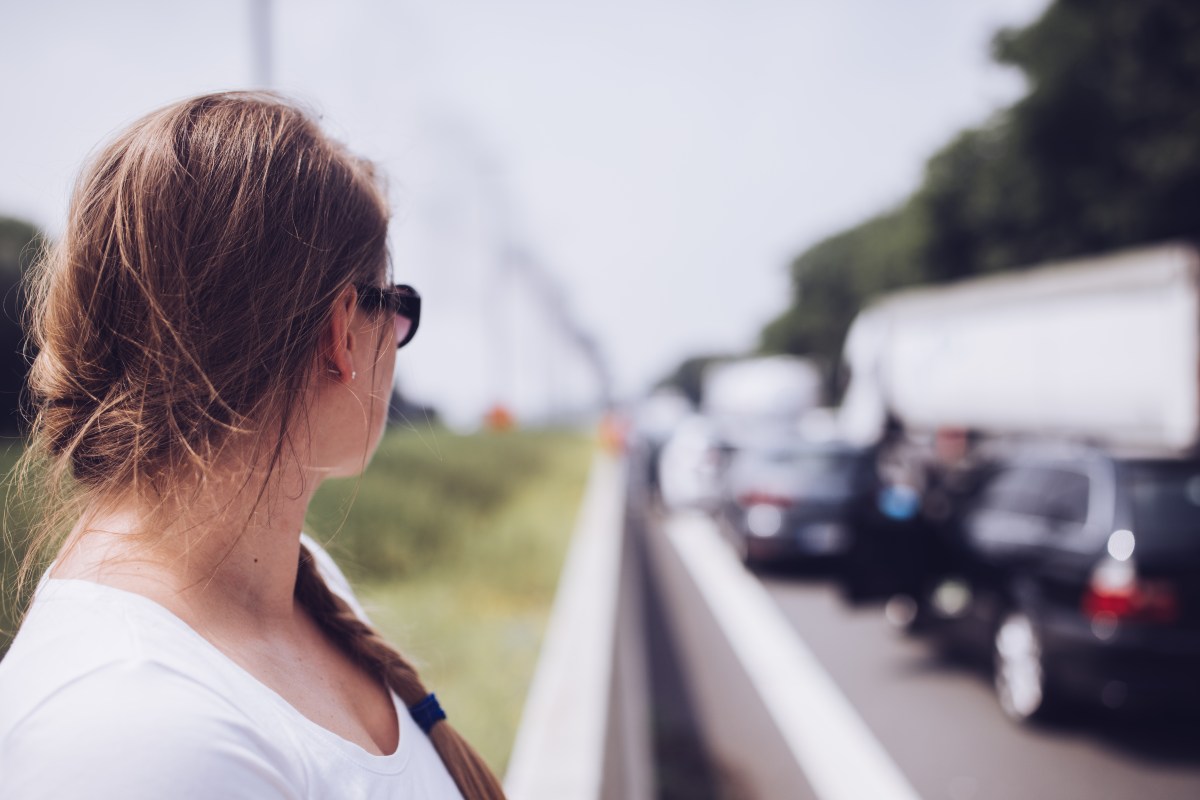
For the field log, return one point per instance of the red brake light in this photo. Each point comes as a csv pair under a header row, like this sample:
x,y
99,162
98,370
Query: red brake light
x,y
748,499
1117,592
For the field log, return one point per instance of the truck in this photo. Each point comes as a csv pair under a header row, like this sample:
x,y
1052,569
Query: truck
x,y
1105,349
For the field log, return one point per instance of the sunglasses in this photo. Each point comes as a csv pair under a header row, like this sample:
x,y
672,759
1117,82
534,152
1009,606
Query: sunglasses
x,y
401,301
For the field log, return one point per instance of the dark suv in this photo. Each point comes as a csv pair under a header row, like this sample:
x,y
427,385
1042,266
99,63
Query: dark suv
x,y
1080,570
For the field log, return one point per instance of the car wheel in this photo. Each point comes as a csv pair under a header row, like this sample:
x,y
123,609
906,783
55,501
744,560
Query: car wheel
x,y
907,614
1020,669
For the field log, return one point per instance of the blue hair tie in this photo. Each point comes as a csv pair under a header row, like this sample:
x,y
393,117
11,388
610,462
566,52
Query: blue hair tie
x,y
427,713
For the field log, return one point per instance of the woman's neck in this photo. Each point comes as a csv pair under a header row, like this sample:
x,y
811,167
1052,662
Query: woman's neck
x,y
225,553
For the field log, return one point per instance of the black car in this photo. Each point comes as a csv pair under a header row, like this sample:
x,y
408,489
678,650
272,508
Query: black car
x,y
793,499
1080,571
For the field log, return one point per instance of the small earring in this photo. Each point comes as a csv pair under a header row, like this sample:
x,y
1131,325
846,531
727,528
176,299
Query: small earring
x,y
353,375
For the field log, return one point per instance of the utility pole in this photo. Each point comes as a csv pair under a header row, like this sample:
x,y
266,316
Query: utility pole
x,y
260,43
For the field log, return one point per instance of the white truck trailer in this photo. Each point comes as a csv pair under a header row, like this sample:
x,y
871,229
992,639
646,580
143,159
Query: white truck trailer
x,y
1104,348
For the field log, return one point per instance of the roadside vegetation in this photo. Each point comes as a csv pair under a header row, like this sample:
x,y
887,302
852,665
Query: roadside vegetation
x,y
15,525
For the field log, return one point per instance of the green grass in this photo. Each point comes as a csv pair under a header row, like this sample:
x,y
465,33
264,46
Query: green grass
x,y
455,544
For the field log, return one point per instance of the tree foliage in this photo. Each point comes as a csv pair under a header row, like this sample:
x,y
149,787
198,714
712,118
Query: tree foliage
x,y
20,244
688,376
884,252
1103,152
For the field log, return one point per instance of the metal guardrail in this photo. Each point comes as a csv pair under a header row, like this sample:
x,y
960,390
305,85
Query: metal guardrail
x,y
570,745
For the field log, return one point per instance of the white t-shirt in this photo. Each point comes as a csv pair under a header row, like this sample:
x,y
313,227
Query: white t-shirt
x,y
106,694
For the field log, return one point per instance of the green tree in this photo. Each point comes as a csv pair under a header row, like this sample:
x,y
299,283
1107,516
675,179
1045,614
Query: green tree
x,y
20,244
688,376
834,278
1103,152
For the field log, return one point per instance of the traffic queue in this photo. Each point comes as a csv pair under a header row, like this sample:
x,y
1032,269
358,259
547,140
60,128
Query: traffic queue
x,y
1013,472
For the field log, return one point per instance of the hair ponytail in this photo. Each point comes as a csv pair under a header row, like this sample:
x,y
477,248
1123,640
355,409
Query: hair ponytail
x,y
471,774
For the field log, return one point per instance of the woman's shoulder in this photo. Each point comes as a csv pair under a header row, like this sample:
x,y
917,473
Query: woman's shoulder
x,y
103,673
86,638
75,628
79,633
98,689
136,729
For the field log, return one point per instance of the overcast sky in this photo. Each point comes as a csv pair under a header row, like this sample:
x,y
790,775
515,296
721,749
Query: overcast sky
x,y
662,160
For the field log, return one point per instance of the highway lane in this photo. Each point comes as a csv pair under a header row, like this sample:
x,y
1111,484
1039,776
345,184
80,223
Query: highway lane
x,y
935,717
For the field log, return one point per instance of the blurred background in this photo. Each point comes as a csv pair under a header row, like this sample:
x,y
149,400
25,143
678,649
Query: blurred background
x,y
585,193
899,303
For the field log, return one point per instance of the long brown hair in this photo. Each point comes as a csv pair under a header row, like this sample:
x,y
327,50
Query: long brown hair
x,y
182,310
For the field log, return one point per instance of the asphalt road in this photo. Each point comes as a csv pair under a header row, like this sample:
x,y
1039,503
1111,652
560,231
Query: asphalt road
x,y
937,718
934,716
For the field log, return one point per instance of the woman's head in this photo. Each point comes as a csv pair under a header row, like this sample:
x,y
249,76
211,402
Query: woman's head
x,y
185,305
218,287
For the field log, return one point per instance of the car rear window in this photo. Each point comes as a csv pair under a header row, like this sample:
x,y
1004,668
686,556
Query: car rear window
x,y
1166,498
1060,495
831,471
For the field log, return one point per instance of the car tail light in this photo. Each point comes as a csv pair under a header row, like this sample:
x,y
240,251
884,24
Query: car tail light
x,y
748,499
1117,593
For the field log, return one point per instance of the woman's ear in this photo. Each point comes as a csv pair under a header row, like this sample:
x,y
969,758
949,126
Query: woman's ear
x,y
340,345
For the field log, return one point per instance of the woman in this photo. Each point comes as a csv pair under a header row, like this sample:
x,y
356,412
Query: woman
x,y
214,338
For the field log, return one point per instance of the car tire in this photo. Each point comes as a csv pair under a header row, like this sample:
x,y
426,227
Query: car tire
x,y
1022,682
908,615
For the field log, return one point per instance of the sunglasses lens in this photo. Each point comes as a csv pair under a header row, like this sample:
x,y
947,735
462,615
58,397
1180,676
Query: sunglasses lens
x,y
403,328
